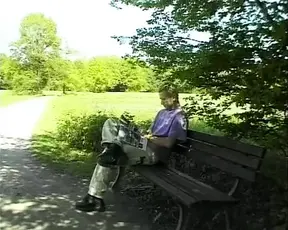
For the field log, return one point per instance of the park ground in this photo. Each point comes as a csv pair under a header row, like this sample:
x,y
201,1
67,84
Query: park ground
x,y
60,156
33,196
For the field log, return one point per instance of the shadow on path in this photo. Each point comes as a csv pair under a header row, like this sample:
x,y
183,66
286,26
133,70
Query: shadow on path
x,y
32,196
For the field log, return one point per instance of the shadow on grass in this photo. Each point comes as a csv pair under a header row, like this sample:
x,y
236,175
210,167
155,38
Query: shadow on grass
x,y
59,155
275,166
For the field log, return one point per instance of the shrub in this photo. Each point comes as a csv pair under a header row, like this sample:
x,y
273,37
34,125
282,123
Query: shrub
x,y
83,132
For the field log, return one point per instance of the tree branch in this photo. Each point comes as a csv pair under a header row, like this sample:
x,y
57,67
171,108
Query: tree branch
x,y
268,17
265,12
189,39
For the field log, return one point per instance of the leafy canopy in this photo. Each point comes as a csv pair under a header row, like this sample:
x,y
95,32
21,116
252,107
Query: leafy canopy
x,y
38,44
244,62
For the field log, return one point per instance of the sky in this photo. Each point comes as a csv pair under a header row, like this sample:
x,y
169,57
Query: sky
x,y
85,26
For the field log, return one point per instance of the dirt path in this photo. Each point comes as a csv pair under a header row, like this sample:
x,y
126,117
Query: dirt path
x,y
34,197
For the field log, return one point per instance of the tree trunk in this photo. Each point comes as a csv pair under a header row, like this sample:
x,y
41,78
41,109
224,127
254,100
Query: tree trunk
x,y
64,88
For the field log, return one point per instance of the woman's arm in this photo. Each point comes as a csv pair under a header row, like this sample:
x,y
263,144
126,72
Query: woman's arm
x,y
167,142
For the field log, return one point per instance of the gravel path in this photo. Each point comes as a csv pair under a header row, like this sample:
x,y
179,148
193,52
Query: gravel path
x,y
34,197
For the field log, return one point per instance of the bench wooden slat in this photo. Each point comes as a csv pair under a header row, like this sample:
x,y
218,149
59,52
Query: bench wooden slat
x,y
186,186
231,156
227,154
150,172
200,191
223,165
227,143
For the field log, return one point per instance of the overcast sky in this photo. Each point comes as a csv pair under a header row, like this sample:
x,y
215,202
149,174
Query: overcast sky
x,y
84,25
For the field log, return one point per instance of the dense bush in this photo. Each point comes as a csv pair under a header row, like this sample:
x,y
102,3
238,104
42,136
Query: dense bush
x,y
25,83
83,132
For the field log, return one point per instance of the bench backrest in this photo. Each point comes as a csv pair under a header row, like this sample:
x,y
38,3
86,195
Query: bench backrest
x,y
240,159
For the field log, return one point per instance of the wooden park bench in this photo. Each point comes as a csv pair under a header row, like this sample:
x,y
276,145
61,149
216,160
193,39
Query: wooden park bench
x,y
233,157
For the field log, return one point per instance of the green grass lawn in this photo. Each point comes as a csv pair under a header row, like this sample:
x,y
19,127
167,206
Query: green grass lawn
x,y
7,97
51,150
143,105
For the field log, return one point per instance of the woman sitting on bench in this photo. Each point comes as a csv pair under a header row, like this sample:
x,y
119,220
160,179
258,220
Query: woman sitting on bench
x,y
123,146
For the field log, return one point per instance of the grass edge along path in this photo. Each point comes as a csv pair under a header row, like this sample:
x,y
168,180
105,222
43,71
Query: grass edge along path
x,y
51,150
48,148
7,98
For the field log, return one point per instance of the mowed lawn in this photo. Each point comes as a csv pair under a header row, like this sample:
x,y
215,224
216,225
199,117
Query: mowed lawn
x,y
53,151
143,105
57,153
7,97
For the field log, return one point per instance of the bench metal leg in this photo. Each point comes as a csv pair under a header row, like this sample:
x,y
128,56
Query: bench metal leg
x,y
227,220
227,217
184,221
120,173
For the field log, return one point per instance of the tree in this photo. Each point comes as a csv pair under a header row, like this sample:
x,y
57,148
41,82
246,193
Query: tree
x,y
133,77
2,74
60,69
8,69
114,74
244,62
38,44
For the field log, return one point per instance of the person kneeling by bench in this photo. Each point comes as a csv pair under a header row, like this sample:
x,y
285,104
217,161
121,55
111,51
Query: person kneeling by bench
x,y
121,146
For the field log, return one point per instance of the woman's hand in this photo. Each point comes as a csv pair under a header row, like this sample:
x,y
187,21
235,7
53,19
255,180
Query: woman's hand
x,y
148,136
144,132
167,142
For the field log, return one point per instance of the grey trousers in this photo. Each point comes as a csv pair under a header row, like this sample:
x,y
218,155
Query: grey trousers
x,y
114,131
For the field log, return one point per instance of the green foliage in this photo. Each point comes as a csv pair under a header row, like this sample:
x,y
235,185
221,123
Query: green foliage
x,y
100,74
59,78
114,74
25,83
96,75
82,132
8,69
244,62
38,62
38,44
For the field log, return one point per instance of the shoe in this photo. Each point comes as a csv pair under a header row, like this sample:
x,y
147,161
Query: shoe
x,y
112,155
90,203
